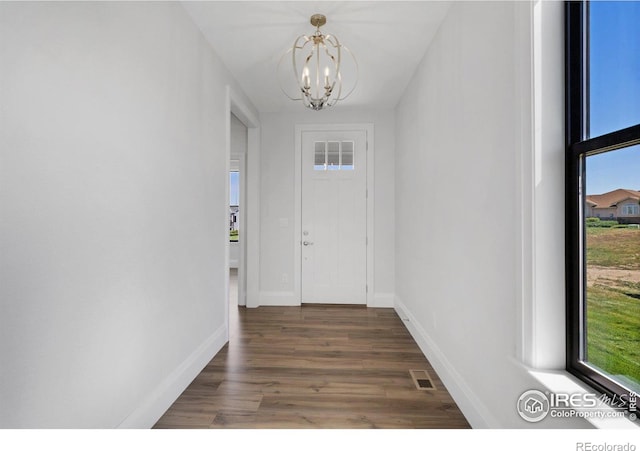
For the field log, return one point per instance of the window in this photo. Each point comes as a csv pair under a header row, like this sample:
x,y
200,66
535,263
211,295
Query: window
x,y
602,171
333,156
346,161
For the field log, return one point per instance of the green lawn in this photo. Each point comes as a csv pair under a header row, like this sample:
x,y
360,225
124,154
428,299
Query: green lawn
x,y
613,301
615,248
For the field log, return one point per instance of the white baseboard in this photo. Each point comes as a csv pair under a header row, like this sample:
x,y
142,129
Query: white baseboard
x,y
160,399
278,298
473,409
288,298
382,300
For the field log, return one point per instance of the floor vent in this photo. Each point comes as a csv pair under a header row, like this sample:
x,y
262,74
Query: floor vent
x,y
422,380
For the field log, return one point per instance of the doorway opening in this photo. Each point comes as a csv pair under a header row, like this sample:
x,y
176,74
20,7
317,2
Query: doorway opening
x,y
242,208
237,223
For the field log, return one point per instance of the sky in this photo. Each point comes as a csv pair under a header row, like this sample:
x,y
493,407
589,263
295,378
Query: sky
x,y
614,53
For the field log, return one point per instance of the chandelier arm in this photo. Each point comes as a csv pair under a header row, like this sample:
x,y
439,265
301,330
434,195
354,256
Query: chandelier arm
x,y
280,78
357,72
336,66
293,53
336,45
337,98
335,42
306,61
317,48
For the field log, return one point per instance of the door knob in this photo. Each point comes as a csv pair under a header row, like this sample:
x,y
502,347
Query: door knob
x,y
307,243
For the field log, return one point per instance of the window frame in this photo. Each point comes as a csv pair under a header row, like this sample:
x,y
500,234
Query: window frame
x,y
578,147
326,167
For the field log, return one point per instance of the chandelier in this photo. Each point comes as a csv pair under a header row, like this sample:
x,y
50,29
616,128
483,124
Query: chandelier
x,y
317,62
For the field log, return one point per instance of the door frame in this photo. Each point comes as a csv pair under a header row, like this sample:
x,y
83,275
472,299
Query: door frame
x,y
297,214
248,279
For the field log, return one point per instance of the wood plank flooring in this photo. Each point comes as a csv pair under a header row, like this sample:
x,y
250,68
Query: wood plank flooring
x,y
314,367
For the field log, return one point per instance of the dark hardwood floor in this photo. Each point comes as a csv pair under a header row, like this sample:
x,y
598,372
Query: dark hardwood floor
x,y
314,367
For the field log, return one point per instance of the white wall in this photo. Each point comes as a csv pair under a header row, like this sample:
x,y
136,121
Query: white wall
x,y
234,254
277,239
112,195
460,129
238,139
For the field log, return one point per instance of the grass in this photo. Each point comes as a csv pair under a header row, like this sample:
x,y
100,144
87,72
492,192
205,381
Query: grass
x,y
613,329
613,248
613,303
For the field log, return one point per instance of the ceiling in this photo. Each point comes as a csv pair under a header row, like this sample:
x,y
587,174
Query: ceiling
x,y
388,39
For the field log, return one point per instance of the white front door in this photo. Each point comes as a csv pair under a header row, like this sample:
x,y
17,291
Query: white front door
x,y
334,217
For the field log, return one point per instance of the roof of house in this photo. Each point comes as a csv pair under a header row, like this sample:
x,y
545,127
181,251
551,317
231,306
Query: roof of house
x,y
612,198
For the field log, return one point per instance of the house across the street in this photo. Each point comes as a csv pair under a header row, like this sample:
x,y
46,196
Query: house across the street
x,y
622,205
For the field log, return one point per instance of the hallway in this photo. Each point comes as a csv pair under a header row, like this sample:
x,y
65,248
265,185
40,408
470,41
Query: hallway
x,y
117,144
315,366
